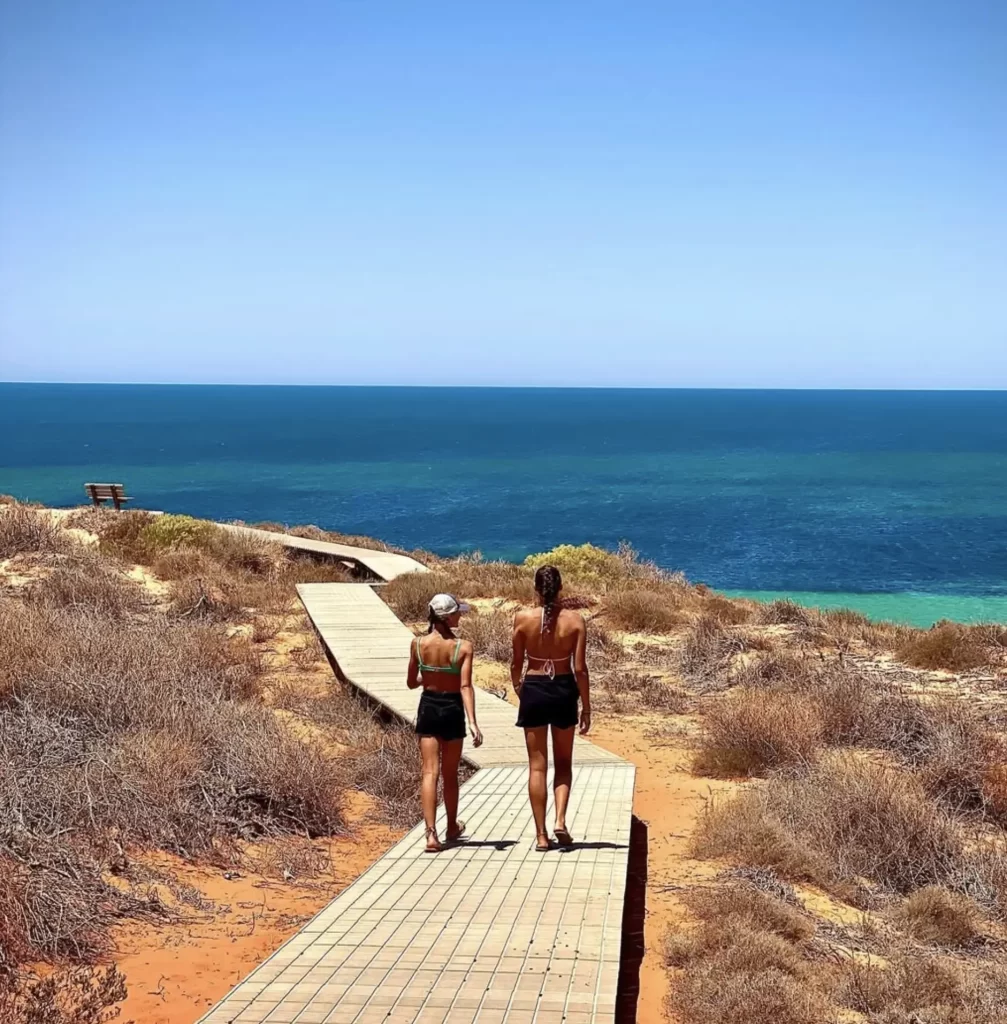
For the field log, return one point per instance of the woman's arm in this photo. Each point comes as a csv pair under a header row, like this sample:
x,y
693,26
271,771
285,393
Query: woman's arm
x,y
583,678
469,694
413,672
517,656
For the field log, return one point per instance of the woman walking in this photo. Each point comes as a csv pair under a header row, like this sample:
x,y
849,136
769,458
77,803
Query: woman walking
x,y
442,665
554,641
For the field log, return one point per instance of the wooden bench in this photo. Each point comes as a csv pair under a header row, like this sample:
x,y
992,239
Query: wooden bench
x,y
100,493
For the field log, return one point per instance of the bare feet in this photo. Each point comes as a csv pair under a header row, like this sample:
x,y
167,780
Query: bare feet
x,y
433,843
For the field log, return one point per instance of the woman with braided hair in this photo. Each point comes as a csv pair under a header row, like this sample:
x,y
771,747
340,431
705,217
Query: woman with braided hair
x,y
553,639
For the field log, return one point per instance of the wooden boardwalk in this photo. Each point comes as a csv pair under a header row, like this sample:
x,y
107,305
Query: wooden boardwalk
x,y
385,565
488,931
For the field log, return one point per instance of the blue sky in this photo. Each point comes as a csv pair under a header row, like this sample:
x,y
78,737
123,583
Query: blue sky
x,y
721,194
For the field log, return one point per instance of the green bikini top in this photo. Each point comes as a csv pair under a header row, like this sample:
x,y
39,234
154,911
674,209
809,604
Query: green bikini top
x,y
454,668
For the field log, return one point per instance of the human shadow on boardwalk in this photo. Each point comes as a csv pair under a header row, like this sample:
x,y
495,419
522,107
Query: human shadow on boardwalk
x,y
590,846
468,844
633,916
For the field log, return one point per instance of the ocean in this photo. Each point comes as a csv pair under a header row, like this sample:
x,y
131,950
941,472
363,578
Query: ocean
x,y
894,502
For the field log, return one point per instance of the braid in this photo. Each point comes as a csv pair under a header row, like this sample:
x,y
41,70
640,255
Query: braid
x,y
547,585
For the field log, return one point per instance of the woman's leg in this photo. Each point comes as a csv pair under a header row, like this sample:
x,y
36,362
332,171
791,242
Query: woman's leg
x,y
562,762
451,755
537,741
431,757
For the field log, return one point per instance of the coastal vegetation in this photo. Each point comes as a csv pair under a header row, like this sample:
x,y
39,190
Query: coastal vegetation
x,y
161,690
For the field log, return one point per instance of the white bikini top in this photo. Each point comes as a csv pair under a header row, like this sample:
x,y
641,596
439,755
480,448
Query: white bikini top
x,y
548,664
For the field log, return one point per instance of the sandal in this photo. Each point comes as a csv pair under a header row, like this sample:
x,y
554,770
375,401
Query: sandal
x,y
563,837
539,846
433,843
459,833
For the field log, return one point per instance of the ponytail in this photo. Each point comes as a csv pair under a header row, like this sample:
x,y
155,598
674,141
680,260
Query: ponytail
x,y
548,583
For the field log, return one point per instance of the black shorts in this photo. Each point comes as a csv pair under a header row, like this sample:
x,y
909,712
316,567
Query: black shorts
x,y
546,701
441,715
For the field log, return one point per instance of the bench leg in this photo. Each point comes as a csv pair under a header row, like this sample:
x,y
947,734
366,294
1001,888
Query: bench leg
x,y
117,503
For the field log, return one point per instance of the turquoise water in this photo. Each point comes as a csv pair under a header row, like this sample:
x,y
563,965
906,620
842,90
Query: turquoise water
x,y
912,609
894,501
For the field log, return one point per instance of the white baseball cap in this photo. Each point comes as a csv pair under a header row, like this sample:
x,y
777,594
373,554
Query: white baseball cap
x,y
443,605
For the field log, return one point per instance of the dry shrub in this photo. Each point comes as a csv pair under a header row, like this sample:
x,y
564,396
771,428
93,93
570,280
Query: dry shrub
x,y
715,991
390,772
599,570
409,595
382,759
748,732
266,627
644,610
88,583
121,732
311,654
783,671
915,989
78,995
939,917
707,649
490,633
784,612
847,819
744,963
24,529
725,610
625,690
948,646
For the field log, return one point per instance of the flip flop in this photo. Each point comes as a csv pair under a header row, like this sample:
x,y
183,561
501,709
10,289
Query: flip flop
x,y
563,837
539,848
460,834
433,849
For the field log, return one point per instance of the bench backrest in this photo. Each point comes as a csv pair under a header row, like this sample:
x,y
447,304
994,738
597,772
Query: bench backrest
x,y
104,490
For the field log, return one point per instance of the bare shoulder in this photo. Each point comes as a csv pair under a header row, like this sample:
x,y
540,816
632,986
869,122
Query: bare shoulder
x,y
573,619
467,647
525,615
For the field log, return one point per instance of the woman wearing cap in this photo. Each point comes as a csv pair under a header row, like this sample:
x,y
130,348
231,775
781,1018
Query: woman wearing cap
x,y
442,665
554,641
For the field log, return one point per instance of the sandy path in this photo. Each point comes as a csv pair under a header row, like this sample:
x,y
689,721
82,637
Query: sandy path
x,y
667,802
174,974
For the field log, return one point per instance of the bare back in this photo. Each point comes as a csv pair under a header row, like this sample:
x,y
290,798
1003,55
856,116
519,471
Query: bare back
x,y
562,645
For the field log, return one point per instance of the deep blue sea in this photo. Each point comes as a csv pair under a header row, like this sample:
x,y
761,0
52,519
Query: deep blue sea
x,y
891,501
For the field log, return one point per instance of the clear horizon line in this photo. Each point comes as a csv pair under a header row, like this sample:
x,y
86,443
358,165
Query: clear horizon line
x,y
500,387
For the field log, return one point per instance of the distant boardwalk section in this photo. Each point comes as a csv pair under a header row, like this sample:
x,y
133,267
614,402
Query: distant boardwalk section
x,y
385,565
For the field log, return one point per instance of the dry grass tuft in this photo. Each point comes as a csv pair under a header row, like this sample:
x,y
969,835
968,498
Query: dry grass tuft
x,y
950,646
708,648
914,989
88,583
77,995
748,732
624,690
24,529
744,963
644,610
784,612
725,610
939,917
490,633
848,819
